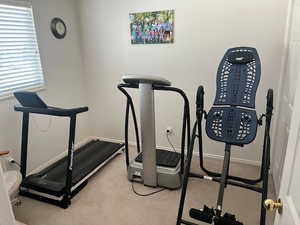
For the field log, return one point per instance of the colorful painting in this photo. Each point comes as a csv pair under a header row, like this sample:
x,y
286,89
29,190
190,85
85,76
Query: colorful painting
x,y
152,27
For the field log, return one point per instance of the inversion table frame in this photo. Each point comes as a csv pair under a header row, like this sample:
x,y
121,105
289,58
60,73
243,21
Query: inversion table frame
x,y
238,73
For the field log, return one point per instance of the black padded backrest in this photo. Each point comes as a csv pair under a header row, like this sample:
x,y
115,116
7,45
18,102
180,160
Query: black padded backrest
x,y
30,99
237,82
231,125
238,77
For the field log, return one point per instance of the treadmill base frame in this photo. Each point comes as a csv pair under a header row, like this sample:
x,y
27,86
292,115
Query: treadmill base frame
x,y
60,201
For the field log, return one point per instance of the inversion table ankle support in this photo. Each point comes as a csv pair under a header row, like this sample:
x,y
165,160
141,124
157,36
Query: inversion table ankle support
x,y
233,121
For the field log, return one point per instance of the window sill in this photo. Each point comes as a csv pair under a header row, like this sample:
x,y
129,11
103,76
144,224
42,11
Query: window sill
x,y
11,95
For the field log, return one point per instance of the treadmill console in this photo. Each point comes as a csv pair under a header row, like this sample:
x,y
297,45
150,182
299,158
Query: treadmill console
x,y
30,99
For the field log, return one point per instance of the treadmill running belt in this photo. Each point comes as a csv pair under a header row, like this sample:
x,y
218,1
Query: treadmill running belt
x,y
163,158
52,179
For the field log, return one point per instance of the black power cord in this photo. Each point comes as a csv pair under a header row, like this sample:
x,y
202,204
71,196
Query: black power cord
x,y
160,190
147,194
170,143
12,161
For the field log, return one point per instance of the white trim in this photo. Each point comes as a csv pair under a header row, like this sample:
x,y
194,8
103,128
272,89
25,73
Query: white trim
x,y
206,155
63,154
293,210
133,144
278,96
291,151
115,140
234,160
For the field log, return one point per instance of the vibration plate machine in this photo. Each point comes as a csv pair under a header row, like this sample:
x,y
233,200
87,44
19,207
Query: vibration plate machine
x,y
60,181
233,121
153,167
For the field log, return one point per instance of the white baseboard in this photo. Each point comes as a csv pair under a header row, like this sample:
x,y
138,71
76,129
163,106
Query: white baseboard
x,y
133,144
115,141
206,155
234,160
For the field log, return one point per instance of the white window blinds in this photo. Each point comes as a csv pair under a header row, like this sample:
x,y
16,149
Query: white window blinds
x,y
20,65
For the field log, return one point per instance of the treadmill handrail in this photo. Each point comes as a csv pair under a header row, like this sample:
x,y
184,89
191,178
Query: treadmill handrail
x,y
52,111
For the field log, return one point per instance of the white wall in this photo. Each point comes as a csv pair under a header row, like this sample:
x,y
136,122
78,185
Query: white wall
x,y
62,65
204,30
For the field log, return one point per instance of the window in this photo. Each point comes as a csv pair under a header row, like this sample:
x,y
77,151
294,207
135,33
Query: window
x,y
20,64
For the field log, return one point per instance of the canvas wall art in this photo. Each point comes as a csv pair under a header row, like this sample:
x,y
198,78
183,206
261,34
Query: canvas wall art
x,y
152,27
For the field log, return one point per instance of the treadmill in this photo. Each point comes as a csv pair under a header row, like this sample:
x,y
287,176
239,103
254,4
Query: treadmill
x,y
62,180
153,167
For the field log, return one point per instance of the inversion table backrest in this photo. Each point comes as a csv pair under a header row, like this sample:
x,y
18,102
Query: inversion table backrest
x,y
232,119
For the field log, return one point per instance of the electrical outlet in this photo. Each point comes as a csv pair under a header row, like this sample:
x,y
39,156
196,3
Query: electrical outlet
x,y
169,131
10,160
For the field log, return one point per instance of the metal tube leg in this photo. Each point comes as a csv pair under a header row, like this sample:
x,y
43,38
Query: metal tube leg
x,y
266,165
223,180
183,143
68,192
129,101
186,176
126,134
264,197
24,146
267,153
148,134
137,137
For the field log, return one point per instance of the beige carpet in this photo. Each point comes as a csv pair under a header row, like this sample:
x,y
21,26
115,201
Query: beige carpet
x,y
108,199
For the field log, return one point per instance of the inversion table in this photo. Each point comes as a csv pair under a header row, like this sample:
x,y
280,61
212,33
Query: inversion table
x,y
233,121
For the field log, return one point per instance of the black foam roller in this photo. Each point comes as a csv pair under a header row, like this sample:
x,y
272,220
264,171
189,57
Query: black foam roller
x,y
201,215
226,221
